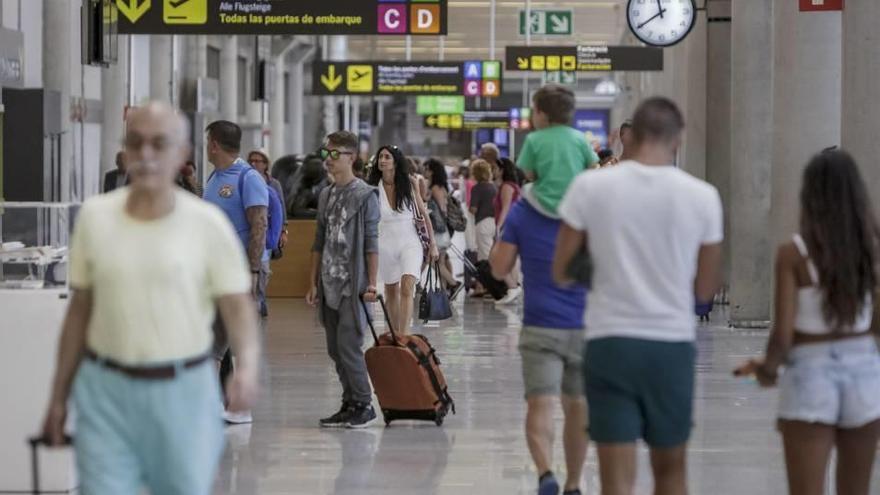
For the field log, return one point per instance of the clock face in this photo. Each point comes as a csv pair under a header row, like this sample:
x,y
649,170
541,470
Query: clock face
x,y
661,22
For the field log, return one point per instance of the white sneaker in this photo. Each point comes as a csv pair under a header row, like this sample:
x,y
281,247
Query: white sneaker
x,y
511,297
238,418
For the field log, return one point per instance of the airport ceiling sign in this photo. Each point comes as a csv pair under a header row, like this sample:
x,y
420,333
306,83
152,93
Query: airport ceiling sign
x,y
470,120
449,105
546,22
472,78
254,17
514,118
583,58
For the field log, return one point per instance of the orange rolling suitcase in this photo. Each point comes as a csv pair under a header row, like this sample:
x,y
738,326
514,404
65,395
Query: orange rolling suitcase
x,y
406,375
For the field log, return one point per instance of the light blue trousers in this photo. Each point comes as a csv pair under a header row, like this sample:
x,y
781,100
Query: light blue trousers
x,y
165,435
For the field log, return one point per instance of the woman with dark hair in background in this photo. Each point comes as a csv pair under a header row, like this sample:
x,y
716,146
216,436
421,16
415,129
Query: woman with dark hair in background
x,y
311,178
188,180
400,249
507,181
826,284
438,189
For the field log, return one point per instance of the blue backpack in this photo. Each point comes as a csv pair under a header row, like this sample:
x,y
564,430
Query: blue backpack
x,y
275,210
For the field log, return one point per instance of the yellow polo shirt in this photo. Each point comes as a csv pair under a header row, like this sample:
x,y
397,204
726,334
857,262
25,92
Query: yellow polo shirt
x,y
154,283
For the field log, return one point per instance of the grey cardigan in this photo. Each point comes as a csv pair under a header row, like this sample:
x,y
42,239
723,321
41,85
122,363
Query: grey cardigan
x,y
366,241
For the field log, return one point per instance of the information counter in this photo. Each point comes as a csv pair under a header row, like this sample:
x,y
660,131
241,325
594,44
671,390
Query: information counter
x,y
290,274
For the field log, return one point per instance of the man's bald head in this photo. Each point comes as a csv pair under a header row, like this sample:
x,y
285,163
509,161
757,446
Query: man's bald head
x,y
156,143
490,153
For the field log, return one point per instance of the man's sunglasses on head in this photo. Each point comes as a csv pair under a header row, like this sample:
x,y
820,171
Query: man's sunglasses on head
x,y
333,154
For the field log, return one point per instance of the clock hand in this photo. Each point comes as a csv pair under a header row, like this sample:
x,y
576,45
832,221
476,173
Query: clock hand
x,y
658,14
660,6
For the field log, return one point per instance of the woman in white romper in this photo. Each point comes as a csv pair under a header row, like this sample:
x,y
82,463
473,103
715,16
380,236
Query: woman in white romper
x,y
823,333
400,250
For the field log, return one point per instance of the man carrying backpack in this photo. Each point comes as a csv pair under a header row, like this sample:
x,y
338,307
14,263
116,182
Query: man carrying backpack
x,y
243,195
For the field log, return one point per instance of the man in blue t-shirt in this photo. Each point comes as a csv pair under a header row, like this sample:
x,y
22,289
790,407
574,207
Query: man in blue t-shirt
x,y
551,343
246,209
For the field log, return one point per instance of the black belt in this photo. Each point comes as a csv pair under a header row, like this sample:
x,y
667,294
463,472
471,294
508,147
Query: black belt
x,y
146,372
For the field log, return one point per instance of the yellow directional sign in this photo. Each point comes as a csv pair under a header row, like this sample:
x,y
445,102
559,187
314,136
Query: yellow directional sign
x,y
431,120
569,63
133,9
553,62
538,62
185,12
331,80
522,63
360,78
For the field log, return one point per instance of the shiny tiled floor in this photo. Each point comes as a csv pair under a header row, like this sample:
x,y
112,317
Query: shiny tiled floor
x,y
734,449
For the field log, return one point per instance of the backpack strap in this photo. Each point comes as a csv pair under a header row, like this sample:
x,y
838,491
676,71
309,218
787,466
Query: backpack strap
x,y
241,177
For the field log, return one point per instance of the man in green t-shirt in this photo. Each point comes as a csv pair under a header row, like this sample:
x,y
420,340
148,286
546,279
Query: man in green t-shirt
x,y
555,153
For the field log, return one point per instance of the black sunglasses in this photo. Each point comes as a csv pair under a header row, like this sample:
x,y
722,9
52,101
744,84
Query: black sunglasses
x,y
333,154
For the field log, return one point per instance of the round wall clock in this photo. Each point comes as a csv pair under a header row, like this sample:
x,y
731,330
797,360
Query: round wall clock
x,y
661,22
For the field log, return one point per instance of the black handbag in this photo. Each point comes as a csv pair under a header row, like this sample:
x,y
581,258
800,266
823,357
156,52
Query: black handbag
x,y
434,300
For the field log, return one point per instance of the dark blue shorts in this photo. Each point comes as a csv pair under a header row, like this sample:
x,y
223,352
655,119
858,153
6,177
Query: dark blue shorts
x,y
640,389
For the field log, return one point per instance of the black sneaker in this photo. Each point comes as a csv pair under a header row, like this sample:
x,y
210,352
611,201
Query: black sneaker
x,y
339,419
361,416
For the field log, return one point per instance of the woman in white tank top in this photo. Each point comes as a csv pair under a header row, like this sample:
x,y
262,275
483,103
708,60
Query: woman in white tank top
x,y
824,330
400,248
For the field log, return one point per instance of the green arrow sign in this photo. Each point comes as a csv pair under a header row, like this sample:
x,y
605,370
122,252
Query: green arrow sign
x,y
560,77
448,105
547,22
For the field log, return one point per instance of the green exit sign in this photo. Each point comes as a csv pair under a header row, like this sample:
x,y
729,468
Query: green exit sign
x,y
547,22
446,105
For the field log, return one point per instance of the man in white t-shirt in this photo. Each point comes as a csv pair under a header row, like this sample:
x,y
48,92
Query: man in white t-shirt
x,y
148,265
654,235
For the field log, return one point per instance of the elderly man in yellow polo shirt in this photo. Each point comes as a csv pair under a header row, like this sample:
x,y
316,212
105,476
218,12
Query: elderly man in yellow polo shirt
x,y
148,265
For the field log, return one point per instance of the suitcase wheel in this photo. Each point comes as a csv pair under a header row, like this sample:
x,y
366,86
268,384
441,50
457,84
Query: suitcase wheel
x,y
438,420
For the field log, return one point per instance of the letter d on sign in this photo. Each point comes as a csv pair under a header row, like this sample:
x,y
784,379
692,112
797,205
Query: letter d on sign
x,y
425,19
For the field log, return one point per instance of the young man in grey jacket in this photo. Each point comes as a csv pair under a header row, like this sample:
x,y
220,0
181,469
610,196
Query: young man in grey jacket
x,y
345,261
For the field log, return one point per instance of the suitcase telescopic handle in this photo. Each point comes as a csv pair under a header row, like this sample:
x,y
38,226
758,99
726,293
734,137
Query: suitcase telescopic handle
x,y
35,443
387,321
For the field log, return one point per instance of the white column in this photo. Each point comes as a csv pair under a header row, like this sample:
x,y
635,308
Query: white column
x,y
160,67
57,24
338,51
229,79
806,103
693,94
752,155
297,108
114,98
277,102
861,73
354,125
718,124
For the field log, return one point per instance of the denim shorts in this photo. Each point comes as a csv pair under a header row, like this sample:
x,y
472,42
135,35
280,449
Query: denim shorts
x,y
640,389
832,383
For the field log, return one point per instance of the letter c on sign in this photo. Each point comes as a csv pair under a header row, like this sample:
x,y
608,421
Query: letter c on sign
x,y
473,87
392,19
426,19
